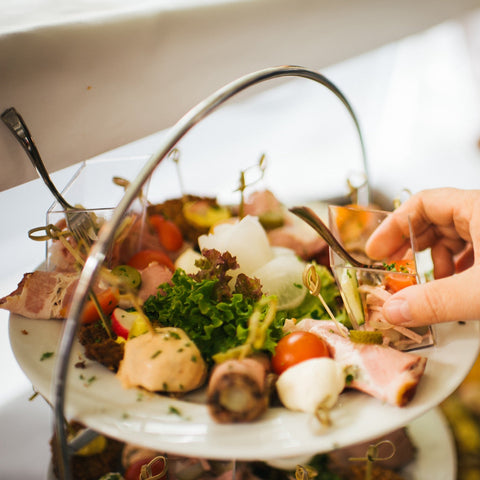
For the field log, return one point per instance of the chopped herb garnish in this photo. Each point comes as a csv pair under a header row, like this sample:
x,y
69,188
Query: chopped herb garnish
x,y
156,354
46,355
33,396
395,267
88,381
174,410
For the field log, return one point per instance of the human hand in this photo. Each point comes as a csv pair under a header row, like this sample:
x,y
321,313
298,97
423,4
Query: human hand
x,y
448,221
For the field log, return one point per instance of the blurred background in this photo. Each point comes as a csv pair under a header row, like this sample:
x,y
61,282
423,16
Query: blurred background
x,y
108,78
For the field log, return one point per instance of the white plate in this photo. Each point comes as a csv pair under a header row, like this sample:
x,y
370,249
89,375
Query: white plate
x,y
95,397
436,457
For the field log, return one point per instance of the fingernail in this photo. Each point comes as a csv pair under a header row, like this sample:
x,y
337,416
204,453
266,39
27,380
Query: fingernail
x,y
397,311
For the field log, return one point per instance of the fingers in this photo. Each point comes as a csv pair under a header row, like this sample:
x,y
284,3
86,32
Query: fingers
x,y
464,259
435,215
452,298
448,221
388,238
443,261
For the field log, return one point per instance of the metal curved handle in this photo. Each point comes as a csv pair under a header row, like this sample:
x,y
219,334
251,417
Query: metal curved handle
x,y
106,234
14,121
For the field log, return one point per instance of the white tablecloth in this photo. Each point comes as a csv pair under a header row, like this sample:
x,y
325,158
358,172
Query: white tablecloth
x,y
89,76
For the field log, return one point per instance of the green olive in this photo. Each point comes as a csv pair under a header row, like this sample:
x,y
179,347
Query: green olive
x,y
129,276
271,220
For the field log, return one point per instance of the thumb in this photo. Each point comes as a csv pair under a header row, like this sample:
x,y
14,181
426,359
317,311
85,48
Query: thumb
x,y
449,299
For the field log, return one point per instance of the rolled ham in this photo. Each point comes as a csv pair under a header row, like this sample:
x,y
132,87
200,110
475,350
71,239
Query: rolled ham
x,y
380,371
238,390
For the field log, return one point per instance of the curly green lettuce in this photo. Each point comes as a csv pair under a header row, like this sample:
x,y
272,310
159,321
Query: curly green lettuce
x,y
213,315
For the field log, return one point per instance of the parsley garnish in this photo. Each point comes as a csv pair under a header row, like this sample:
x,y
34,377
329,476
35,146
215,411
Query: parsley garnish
x,y
46,355
174,410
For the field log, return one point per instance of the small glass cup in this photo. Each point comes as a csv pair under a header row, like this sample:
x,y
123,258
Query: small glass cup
x,y
364,290
96,188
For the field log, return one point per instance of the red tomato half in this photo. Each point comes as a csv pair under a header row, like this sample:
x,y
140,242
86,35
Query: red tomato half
x,y
297,347
143,258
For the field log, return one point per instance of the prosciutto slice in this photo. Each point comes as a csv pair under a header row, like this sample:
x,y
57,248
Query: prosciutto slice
x,y
380,371
42,295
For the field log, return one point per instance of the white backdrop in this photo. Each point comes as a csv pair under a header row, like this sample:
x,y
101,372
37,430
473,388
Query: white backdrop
x,y
89,76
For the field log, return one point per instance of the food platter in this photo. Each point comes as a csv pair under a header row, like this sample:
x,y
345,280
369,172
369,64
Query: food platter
x,y
95,397
183,426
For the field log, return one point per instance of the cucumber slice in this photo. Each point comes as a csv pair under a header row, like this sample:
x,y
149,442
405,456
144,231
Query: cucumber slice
x,y
282,276
351,296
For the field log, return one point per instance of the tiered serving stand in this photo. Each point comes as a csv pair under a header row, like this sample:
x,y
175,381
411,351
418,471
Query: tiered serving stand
x,y
106,408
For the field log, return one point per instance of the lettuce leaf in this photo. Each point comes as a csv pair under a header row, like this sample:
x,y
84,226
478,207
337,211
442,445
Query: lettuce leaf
x,y
212,315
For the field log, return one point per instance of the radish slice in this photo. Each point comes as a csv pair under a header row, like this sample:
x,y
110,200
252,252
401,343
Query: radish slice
x,y
282,276
122,322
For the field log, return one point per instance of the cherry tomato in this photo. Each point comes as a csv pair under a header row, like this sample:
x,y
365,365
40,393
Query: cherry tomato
x,y
168,233
297,347
143,258
404,278
134,470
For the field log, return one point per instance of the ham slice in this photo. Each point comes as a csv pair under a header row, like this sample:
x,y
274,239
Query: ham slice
x,y
380,371
42,295
302,239
263,202
153,276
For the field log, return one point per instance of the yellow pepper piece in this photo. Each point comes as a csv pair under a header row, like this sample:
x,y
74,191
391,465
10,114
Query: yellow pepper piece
x,y
97,445
139,327
202,214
